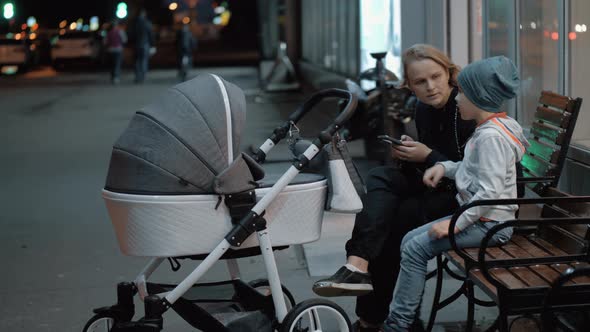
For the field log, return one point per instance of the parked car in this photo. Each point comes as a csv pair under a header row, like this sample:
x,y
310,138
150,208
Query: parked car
x,y
14,55
77,46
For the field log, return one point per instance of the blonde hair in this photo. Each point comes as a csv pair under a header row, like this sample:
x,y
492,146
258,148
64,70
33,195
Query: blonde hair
x,y
425,51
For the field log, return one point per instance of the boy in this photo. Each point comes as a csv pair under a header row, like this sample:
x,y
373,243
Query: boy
x,y
486,172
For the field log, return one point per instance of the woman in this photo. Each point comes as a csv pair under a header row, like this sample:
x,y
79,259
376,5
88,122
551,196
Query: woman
x,y
114,42
397,201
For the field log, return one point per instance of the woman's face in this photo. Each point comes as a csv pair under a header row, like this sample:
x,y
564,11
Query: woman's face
x,y
429,81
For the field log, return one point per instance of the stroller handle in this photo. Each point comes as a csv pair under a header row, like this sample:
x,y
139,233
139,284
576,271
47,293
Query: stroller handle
x,y
328,93
326,135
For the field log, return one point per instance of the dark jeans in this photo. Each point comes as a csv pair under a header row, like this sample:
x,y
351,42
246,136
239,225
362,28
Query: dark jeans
x,y
396,202
141,62
116,61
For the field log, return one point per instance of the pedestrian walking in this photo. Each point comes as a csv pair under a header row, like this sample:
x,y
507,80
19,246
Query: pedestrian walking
x,y
185,44
115,40
144,41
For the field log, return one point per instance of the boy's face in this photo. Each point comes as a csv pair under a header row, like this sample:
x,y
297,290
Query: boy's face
x,y
467,109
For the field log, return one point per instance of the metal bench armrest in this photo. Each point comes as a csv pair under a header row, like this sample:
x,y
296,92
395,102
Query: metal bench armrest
x,y
509,201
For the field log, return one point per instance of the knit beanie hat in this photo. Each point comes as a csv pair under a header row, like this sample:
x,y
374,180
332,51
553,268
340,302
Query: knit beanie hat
x,y
489,82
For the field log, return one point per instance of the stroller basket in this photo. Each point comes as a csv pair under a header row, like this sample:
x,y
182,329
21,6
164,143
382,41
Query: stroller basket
x,y
179,225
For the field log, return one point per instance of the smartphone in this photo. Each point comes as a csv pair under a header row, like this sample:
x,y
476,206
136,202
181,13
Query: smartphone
x,y
390,140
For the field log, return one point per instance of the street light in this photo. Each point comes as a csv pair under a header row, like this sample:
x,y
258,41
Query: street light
x,y
8,11
173,6
121,10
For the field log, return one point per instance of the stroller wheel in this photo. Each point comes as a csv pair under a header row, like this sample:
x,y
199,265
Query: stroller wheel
x,y
263,287
102,322
316,315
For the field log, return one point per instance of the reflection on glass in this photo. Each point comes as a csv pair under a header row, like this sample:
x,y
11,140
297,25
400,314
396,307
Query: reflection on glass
x,y
579,48
500,36
539,57
381,31
328,34
476,30
499,13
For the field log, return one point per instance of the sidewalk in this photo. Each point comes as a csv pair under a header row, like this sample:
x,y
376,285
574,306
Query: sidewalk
x,y
60,251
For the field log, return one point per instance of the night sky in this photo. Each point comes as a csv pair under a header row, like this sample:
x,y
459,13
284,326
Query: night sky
x,y
240,33
50,12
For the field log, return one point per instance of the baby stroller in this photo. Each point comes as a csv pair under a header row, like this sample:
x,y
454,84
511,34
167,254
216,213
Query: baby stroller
x,y
178,188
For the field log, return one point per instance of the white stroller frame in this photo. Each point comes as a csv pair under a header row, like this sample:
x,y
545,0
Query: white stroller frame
x,y
156,305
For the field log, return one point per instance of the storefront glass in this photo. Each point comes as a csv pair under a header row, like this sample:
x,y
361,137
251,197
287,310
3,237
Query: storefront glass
x,y
538,52
381,31
579,69
500,36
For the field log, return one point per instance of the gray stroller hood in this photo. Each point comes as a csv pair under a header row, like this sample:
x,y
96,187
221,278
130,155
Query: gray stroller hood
x,y
183,142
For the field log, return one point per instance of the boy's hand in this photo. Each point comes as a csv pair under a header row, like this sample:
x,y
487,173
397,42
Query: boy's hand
x,y
441,229
433,175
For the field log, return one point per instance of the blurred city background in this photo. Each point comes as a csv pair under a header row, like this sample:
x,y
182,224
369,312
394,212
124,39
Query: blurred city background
x,y
226,30
60,114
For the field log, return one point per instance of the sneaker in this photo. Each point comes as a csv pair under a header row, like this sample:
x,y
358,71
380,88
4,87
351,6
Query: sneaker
x,y
357,327
344,283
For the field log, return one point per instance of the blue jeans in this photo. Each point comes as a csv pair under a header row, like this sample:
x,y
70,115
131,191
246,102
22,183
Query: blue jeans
x,y
417,248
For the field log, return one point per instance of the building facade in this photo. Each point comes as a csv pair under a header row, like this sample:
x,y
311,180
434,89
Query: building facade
x,y
549,41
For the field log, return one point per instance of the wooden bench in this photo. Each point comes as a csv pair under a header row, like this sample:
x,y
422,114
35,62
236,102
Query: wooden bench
x,y
551,232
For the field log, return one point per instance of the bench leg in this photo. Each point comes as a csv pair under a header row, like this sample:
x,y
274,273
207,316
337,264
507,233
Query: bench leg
x,y
494,326
470,305
437,292
503,321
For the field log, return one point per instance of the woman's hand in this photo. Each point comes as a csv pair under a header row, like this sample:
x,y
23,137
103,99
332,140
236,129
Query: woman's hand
x,y
441,229
406,138
411,150
433,175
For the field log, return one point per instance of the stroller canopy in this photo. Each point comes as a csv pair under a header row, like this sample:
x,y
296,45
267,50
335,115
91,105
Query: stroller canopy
x,y
182,142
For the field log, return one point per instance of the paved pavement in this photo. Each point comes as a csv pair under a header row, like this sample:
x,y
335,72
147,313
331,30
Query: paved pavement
x,y
60,253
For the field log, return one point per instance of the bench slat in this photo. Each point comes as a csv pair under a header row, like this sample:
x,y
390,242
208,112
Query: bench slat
x,y
455,259
508,279
543,151
553,250
559,118
544,271
530,278
553,135
497,253
552,99
486,286
534,167
515,251
530,247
